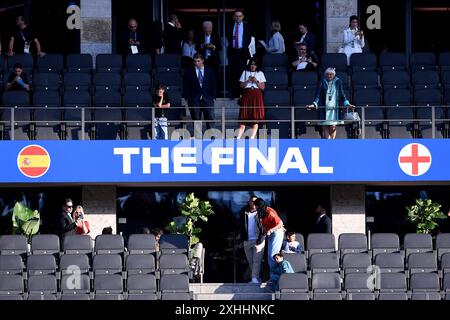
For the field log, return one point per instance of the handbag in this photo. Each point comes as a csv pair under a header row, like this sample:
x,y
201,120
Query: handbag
x,y
351,116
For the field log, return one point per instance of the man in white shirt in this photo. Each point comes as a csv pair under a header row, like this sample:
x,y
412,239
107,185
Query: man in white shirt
x,y
305,62
254,240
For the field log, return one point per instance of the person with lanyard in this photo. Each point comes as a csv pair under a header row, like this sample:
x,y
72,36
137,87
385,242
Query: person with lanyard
x,y
161,103
330,94
209,45
188,50
353,39
132,39
23,38
252,110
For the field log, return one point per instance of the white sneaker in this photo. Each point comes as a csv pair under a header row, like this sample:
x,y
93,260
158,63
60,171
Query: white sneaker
x,y
255,280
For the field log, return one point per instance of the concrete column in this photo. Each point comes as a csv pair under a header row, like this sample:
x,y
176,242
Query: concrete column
x,y
337,14
348,208
99,203
96,26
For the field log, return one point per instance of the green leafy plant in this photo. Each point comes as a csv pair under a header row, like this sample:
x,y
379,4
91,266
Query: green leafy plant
x,y
25,221
425,214
192,210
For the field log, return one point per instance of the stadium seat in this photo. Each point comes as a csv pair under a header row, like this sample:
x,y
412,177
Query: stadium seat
x,y
393,61
427,79
427,97
79,286
367,296
304,80
385,243
365,62
142,287
11,265
390,262
107,264
327,296
293,286
422,61
178,296
324,262
171,80
320,243
108,287
13,245
77,82
367,97
400,296
16,99
173,244
45,244
334,60
352,243
52,63
109,244
138,63
422,262
356,262
276,80
138,123
141,244
26,60
46,99
397,97
393,283
326,283
301,240
297,261
365,80
425,286
446,284
74,263
444,61
277,98
81,63
41,264
417,243
173,264
108,63
42,287
73,99
77,244
167,63
106,99
11,287
137,99
107,82
395,80
137,81
275,62
357,283
174,286
442,244
75,297
140,264
46,82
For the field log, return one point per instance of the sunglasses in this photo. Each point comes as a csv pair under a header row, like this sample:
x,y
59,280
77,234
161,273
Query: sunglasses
x,y
69,206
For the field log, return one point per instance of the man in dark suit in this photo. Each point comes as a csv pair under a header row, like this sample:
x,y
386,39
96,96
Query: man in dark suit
x,y
200,90
66,223
173,35
307,38
209,45
239,38
132,39
323,222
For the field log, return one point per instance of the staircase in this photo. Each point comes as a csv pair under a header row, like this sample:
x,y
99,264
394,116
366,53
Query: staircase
x,y
230,291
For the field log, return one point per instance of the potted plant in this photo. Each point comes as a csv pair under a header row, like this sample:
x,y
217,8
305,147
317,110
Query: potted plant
x,y
25,221
425,214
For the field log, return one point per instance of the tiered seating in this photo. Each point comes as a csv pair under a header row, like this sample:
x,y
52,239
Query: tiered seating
x,y
106,271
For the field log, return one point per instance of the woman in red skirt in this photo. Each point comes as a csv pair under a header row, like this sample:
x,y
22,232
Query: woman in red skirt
x,y
253,83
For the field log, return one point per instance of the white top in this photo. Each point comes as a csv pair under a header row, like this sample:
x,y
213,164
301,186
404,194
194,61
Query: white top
x,y
189,50
351,40
259,75
251,230
303,63
276,44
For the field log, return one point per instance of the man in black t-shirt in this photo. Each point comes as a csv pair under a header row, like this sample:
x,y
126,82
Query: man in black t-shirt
x,y
23,38
18,80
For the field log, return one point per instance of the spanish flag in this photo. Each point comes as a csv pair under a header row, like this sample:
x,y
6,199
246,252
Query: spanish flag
x,y
33,161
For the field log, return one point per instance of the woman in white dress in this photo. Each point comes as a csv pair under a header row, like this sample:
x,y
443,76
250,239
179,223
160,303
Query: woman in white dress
x,y
353,40
276,42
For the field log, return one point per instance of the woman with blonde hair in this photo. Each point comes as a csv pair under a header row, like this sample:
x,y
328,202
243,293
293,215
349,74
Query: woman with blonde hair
x,y
276,42
80,220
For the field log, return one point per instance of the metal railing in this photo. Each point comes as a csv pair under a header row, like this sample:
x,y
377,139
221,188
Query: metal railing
x,y
85,119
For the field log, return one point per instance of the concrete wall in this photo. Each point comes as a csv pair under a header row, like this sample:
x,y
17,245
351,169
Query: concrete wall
x,y
337,13
348,209
99,203
96,26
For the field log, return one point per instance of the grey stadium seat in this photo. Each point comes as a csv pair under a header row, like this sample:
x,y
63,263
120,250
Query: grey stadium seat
x,y
45,244
385,243
326,283
108,63
297,261
417,243
80,261
366,296
293,286
108,287
390,262
174,285
11,265
75,297
327,296
393,282
79,63
75,285
442,244
38,264
13,245
42,287
352,243
422,262
11,287
399,296
140,264
141,243
173,264
424,283
324,262
356,262
109,244
105,264
77,244
141,287
173,243
320,243
358,283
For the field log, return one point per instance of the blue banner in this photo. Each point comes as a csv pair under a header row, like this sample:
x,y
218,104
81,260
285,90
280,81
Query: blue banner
x,y
152,161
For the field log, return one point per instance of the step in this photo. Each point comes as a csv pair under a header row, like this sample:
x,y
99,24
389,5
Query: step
x,y
233,296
